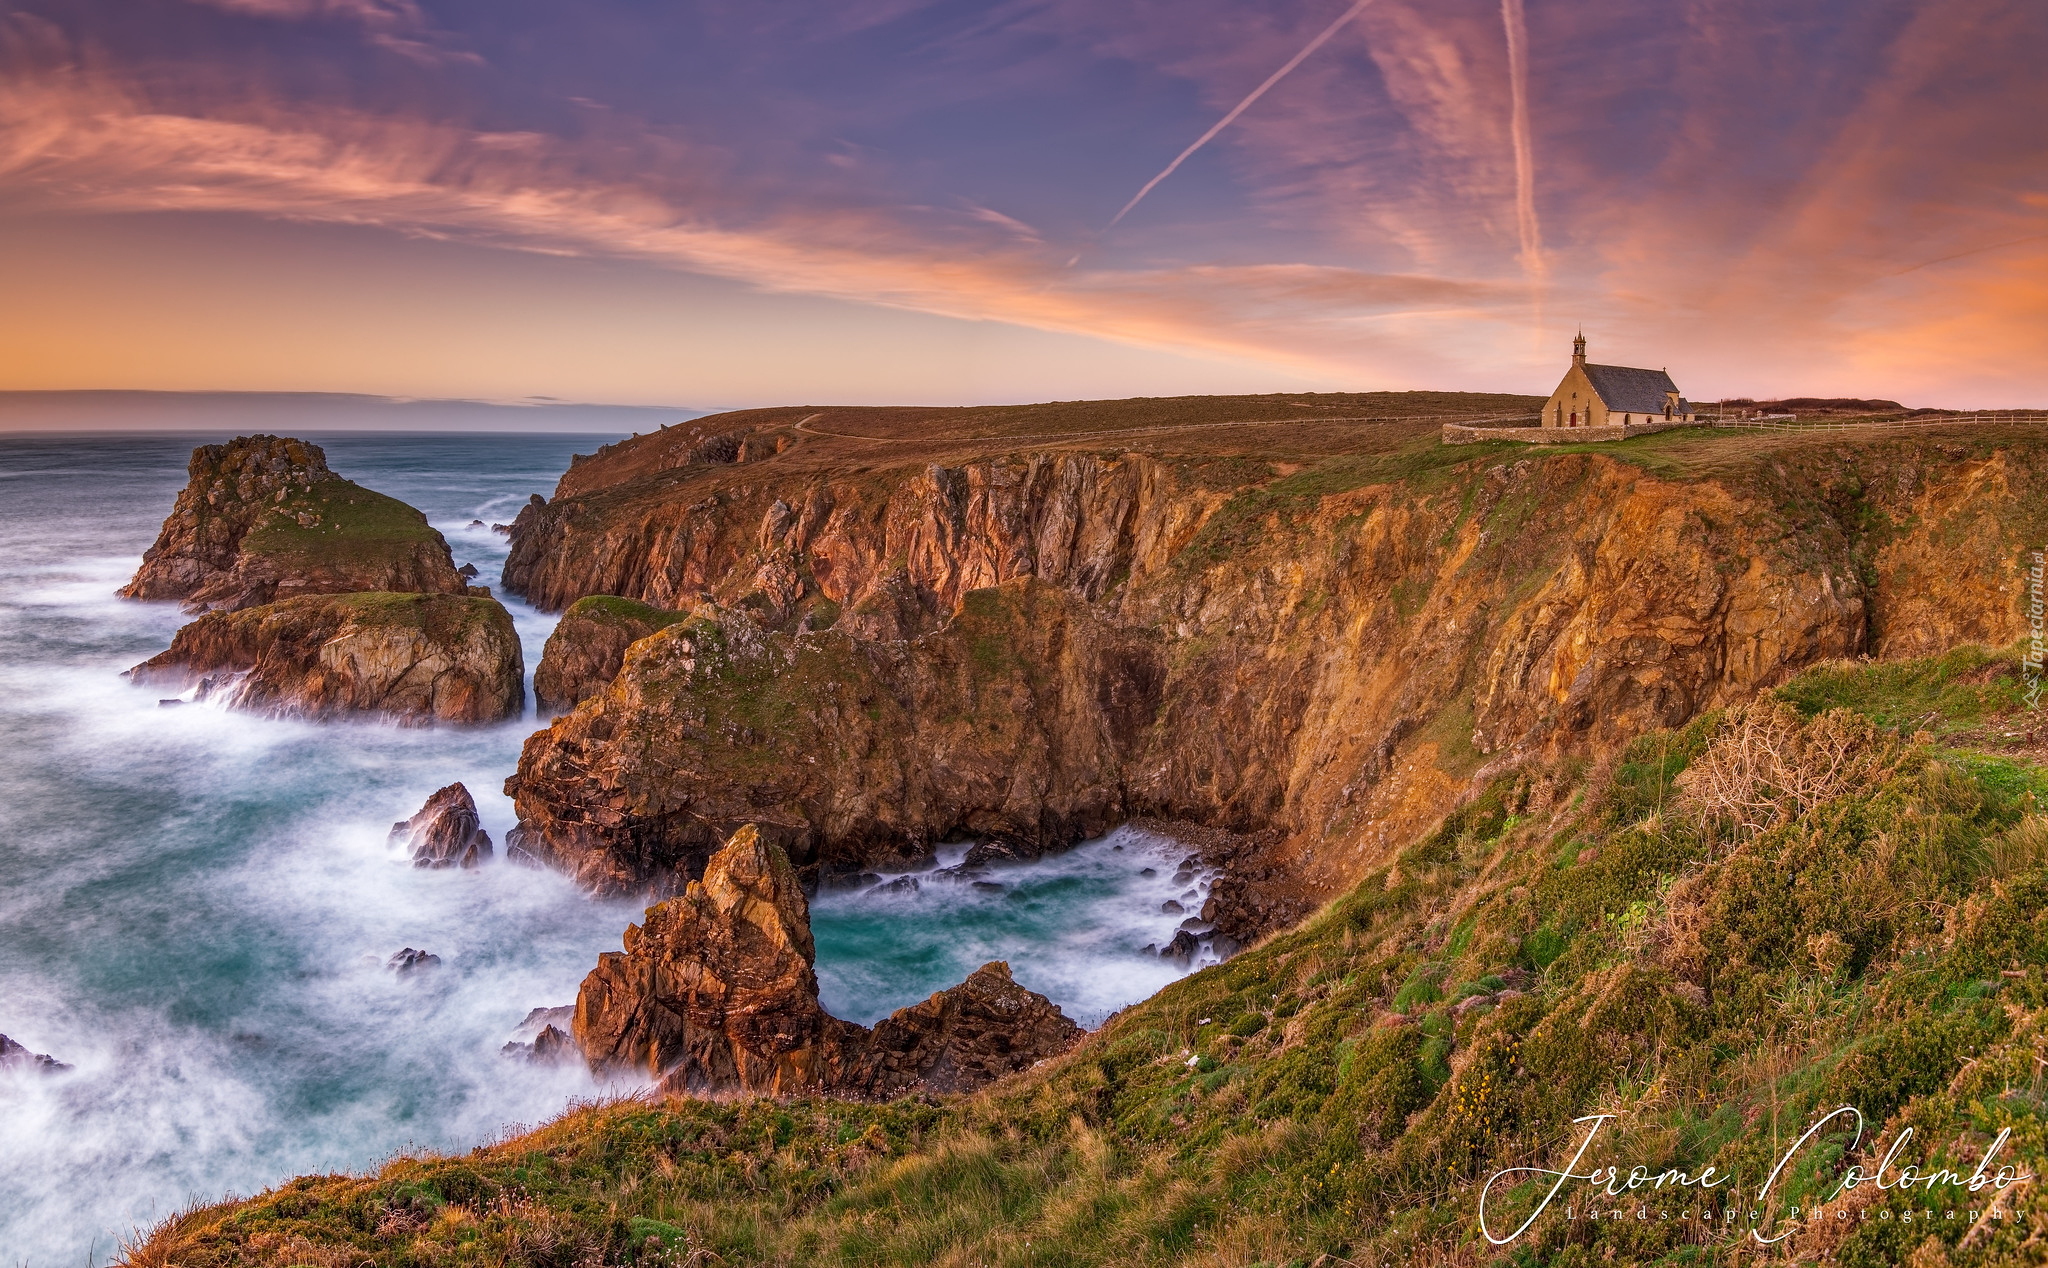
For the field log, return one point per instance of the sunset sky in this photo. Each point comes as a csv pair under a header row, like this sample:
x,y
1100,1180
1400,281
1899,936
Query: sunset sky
x,y
723,203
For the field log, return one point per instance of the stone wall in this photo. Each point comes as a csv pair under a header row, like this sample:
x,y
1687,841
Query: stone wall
x,y
1454,434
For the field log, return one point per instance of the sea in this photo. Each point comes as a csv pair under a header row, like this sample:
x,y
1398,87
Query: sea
x,y
198,907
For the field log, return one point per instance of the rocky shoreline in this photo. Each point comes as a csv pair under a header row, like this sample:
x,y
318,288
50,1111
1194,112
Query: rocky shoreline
x,y
805,675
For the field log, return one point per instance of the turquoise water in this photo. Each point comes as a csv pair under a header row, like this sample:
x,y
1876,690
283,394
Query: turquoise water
x,y
195,906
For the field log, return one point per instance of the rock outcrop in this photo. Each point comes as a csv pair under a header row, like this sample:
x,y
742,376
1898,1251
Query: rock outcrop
x,y
715,993
14,1056
415,658
446,832
961,1038
589,645
264,518
1018,720
412,960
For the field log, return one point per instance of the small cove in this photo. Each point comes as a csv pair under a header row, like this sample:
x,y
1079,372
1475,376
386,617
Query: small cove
x,y
196,906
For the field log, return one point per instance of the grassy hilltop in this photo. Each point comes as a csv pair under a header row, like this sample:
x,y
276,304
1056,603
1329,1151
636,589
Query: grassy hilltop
x,y
1833,895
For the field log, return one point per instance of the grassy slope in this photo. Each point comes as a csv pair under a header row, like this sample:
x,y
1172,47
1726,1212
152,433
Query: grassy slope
x,y
358,528
1884,947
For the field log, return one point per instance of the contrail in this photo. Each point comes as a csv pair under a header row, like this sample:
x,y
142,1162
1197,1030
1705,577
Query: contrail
x,y
1242,106
1996,246
1525,157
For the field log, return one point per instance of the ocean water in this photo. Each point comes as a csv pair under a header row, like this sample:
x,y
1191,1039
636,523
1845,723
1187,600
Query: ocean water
x,y
196,906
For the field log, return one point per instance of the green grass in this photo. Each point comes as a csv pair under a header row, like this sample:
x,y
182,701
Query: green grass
x,y
1941,694
1885,949
613,610
354,525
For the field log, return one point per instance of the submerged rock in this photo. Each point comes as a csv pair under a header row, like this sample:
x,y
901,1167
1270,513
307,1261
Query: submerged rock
x,y
417,658
550,1043
264,518
412,960
446,832
588,646
716,993
14,1056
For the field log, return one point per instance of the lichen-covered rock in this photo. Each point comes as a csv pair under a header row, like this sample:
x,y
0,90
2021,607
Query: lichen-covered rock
x,y
1015,721
716,994
446,832
415,658
589,645
961,1038
264,518
715,991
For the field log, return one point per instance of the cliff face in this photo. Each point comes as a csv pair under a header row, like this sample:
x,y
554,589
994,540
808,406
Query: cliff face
x,y
715,994
1325,652
588,646
264,518
1015,720
416,658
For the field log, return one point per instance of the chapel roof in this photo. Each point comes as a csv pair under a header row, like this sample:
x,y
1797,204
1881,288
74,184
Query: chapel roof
x,y
1629,389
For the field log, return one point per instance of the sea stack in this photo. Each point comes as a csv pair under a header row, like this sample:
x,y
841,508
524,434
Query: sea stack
x,y
446,832
418,659
264,518
321,598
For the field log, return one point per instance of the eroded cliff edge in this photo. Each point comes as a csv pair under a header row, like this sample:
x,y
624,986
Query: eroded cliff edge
x,y
1322,648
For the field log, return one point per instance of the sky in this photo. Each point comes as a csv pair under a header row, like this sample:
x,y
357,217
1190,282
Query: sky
x,y
727,203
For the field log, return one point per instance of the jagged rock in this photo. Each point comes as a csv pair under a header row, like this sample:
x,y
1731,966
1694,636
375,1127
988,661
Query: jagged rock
x,y
446,832
467,572
544,1038
587,647
15,1057
412,960
416,658
961,1038
264,518
553,1046
715,993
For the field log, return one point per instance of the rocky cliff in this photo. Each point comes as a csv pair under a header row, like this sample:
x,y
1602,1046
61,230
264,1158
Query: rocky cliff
x,y
715,993
588,646
1326,651
264,518
1015,720
415,658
